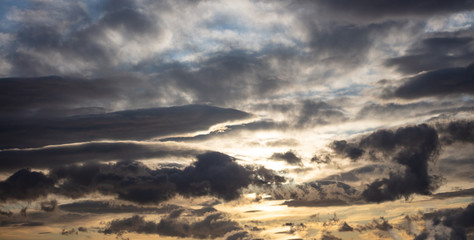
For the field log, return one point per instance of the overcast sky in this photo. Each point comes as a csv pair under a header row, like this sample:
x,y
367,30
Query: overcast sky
x,y
324,119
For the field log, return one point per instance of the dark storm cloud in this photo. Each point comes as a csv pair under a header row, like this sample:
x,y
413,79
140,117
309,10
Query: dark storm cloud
x,y
448,224
213,174
211,226
289,157
413,147
84,44
373,9
88,152
437,83
138,124
25,185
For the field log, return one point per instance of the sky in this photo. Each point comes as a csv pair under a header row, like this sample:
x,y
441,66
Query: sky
x,y
246,119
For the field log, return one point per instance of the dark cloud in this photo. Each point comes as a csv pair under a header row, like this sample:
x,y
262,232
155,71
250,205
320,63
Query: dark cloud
x,y
345,149
372,9
437,83
456,131
88,152
49,206
213,173
460,193
106,207
55,96
448,224
138,124
289,157
346,228
413,147
211,226
319,159
439,51
25,185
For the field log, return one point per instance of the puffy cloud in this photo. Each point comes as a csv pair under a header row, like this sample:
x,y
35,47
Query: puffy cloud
x,y
289,157
213,173
26,185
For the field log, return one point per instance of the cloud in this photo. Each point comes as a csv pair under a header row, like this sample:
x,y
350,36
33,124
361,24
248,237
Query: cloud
x,y
90,152
211,226
437,51
413,147
49,206
342,148
456,131
437,83
372,9
288,157
25,185
319,113
106,207
77,44
213,174
140,124
448,223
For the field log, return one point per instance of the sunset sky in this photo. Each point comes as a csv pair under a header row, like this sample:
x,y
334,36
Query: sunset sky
x,y
298,119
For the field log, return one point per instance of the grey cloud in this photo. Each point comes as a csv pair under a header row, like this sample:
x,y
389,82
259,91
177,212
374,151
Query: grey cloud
x,y
358,174
211,226
49,206
317,193
289,157
372,9
412,147
137,124
83,45
319,113
224,78
345,149
89,152
25,185
456,131
106,207
437,51
456,222
437,83
213,173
